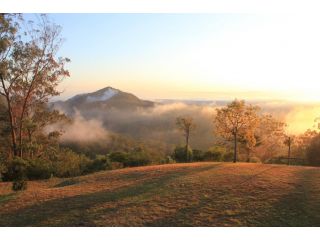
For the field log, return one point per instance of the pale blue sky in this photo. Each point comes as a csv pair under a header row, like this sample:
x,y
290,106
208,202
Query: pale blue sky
x,y
192,55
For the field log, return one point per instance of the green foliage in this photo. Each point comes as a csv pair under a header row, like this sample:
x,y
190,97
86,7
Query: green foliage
x,y
70,164
198,155
16,169
136,157
228,157
39,169
65,163
100,163
118,157
179,154
216,153
167,160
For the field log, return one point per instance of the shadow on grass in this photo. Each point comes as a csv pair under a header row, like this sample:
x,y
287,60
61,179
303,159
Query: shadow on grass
x,y
298,208
68,182
72,211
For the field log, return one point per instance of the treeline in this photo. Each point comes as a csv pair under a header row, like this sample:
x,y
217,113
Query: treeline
x,y
245,134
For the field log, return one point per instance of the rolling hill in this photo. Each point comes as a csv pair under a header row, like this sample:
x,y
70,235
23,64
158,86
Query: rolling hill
x,y
196,194
102,100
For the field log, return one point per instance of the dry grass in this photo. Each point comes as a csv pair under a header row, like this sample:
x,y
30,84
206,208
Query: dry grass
x,y
196,194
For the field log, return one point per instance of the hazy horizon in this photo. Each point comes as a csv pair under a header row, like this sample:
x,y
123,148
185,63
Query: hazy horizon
x,y
269,59
187,56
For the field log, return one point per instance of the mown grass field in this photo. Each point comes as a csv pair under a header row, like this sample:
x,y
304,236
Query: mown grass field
x,y
196,194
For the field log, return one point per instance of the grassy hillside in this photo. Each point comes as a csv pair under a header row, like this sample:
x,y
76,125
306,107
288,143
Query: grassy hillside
x,y
196,194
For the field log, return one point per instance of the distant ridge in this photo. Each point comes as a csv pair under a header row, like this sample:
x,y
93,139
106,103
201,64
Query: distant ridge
x,y
104,99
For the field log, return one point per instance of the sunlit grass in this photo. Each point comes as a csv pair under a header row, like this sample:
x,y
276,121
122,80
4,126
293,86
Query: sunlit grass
x,y
196,194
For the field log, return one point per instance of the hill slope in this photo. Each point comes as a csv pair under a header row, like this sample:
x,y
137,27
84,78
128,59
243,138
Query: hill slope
x,y
102,100
196,194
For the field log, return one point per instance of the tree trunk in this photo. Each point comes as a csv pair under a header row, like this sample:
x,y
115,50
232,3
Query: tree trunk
x,y
11,120
235,154
13,132
248,155
22,117
187,146
289,150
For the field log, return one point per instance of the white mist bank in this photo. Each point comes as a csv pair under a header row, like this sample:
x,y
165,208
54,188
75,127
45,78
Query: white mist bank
x,y
158,123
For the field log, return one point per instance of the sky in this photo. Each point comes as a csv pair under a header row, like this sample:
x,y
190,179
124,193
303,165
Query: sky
x,y
195,56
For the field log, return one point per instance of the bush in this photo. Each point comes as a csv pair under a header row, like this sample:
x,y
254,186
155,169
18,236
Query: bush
x,y
216,153
179,154
167,160
100,163
228,157
16,169
198,155
70,164
138,158
39,169
120,157
135,158
19,185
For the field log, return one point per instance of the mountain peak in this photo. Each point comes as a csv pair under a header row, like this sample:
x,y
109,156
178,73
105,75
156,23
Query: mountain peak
x,y
102,100
102,94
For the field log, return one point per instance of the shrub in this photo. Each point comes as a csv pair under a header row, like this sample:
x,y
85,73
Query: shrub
x,y
228,157
16,169
70,164
138,158
39,169
135,158
179,154
216,153
19,185
100,163
120,157
167,160
198,155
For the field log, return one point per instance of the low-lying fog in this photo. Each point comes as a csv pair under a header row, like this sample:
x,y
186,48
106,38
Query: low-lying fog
x,y
158,123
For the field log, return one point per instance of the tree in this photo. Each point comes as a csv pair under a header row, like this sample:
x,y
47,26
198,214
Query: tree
x,y
289,142
269,136
313,151
179,154
249,140
235,121
302,142
186,125
29,71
